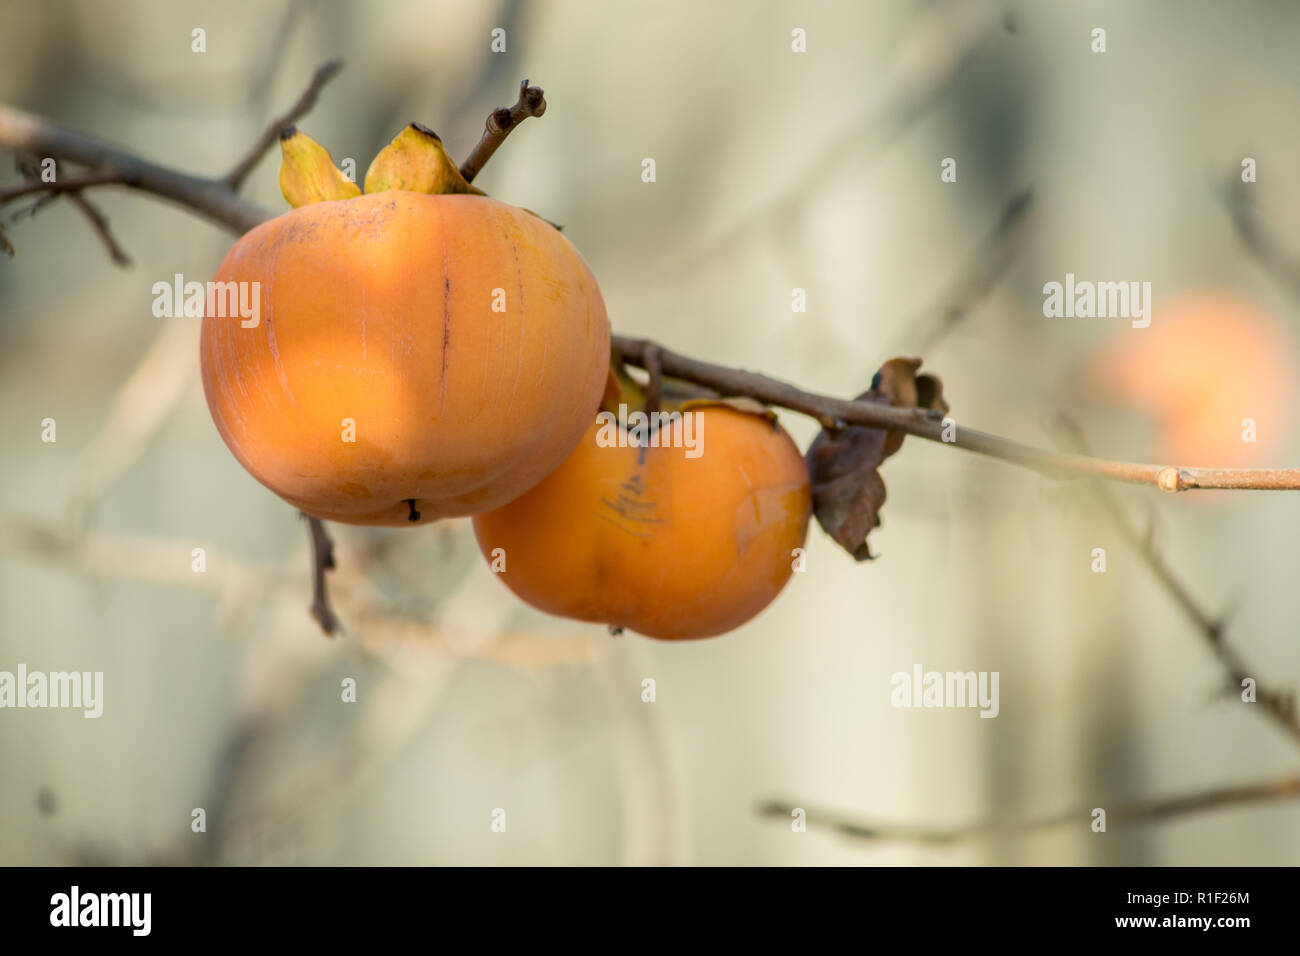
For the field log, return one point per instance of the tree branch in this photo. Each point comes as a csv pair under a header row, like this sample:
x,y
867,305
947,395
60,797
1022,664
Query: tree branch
x,y
324,73
1261,241
1279,705
22,132
532,102
99,223
1126,814
928,425
976,279
217,199
322,560
34,186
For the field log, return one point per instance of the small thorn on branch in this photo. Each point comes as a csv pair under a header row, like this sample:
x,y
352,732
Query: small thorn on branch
x,y
500,122
322,560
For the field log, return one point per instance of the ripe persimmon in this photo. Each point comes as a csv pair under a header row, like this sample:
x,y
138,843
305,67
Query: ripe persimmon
x,y
417,355
656,539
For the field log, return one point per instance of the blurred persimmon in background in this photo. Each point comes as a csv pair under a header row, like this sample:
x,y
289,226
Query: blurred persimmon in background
x,y
1208,366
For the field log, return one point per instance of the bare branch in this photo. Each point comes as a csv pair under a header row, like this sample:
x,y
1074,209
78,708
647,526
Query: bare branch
x,y
99,222
217,199
927,425
1125,814
322,560
24,133
977,278
1278,705
324,73
532,102
75,184
1260,239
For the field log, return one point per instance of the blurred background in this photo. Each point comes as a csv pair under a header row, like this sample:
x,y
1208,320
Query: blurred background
x,y
776,171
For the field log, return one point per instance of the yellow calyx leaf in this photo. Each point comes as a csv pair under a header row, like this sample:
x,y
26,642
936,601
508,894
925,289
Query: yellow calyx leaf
x,y
307,174
415,161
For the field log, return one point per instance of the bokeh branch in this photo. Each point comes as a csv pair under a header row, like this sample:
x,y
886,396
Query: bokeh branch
x,y
1280,706
1260,239
324,73
1125,814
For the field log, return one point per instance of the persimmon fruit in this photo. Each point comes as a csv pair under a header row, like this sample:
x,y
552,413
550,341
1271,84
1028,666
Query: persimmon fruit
x,y
654,540
419,354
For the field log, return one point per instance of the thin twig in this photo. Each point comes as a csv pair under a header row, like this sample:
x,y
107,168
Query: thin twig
x,y
1260,239
1126,814
973,283
324,73
24,133
99,222
75,184
1278,705
500,123
30,170
322,560
217,199
941,41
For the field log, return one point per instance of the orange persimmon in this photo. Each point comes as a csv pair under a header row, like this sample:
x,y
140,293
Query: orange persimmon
x,y
655,539
416,356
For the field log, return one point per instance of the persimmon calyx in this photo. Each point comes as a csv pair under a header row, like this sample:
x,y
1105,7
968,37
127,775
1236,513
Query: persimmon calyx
x,y
416,161
308,174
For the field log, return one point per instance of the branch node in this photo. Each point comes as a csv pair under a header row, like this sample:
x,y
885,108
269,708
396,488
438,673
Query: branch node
x,y
500,122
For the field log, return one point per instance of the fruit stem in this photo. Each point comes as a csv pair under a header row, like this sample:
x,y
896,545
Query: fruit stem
x,y
531,102
414,515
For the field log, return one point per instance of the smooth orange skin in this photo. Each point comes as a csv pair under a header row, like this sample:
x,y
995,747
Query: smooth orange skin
x,y
379,309
665,545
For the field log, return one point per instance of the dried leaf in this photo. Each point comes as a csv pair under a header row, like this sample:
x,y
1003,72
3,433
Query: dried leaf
x,y
848,491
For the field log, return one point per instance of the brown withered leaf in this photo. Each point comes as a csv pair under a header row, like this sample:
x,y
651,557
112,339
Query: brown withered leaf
x,y
848,491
